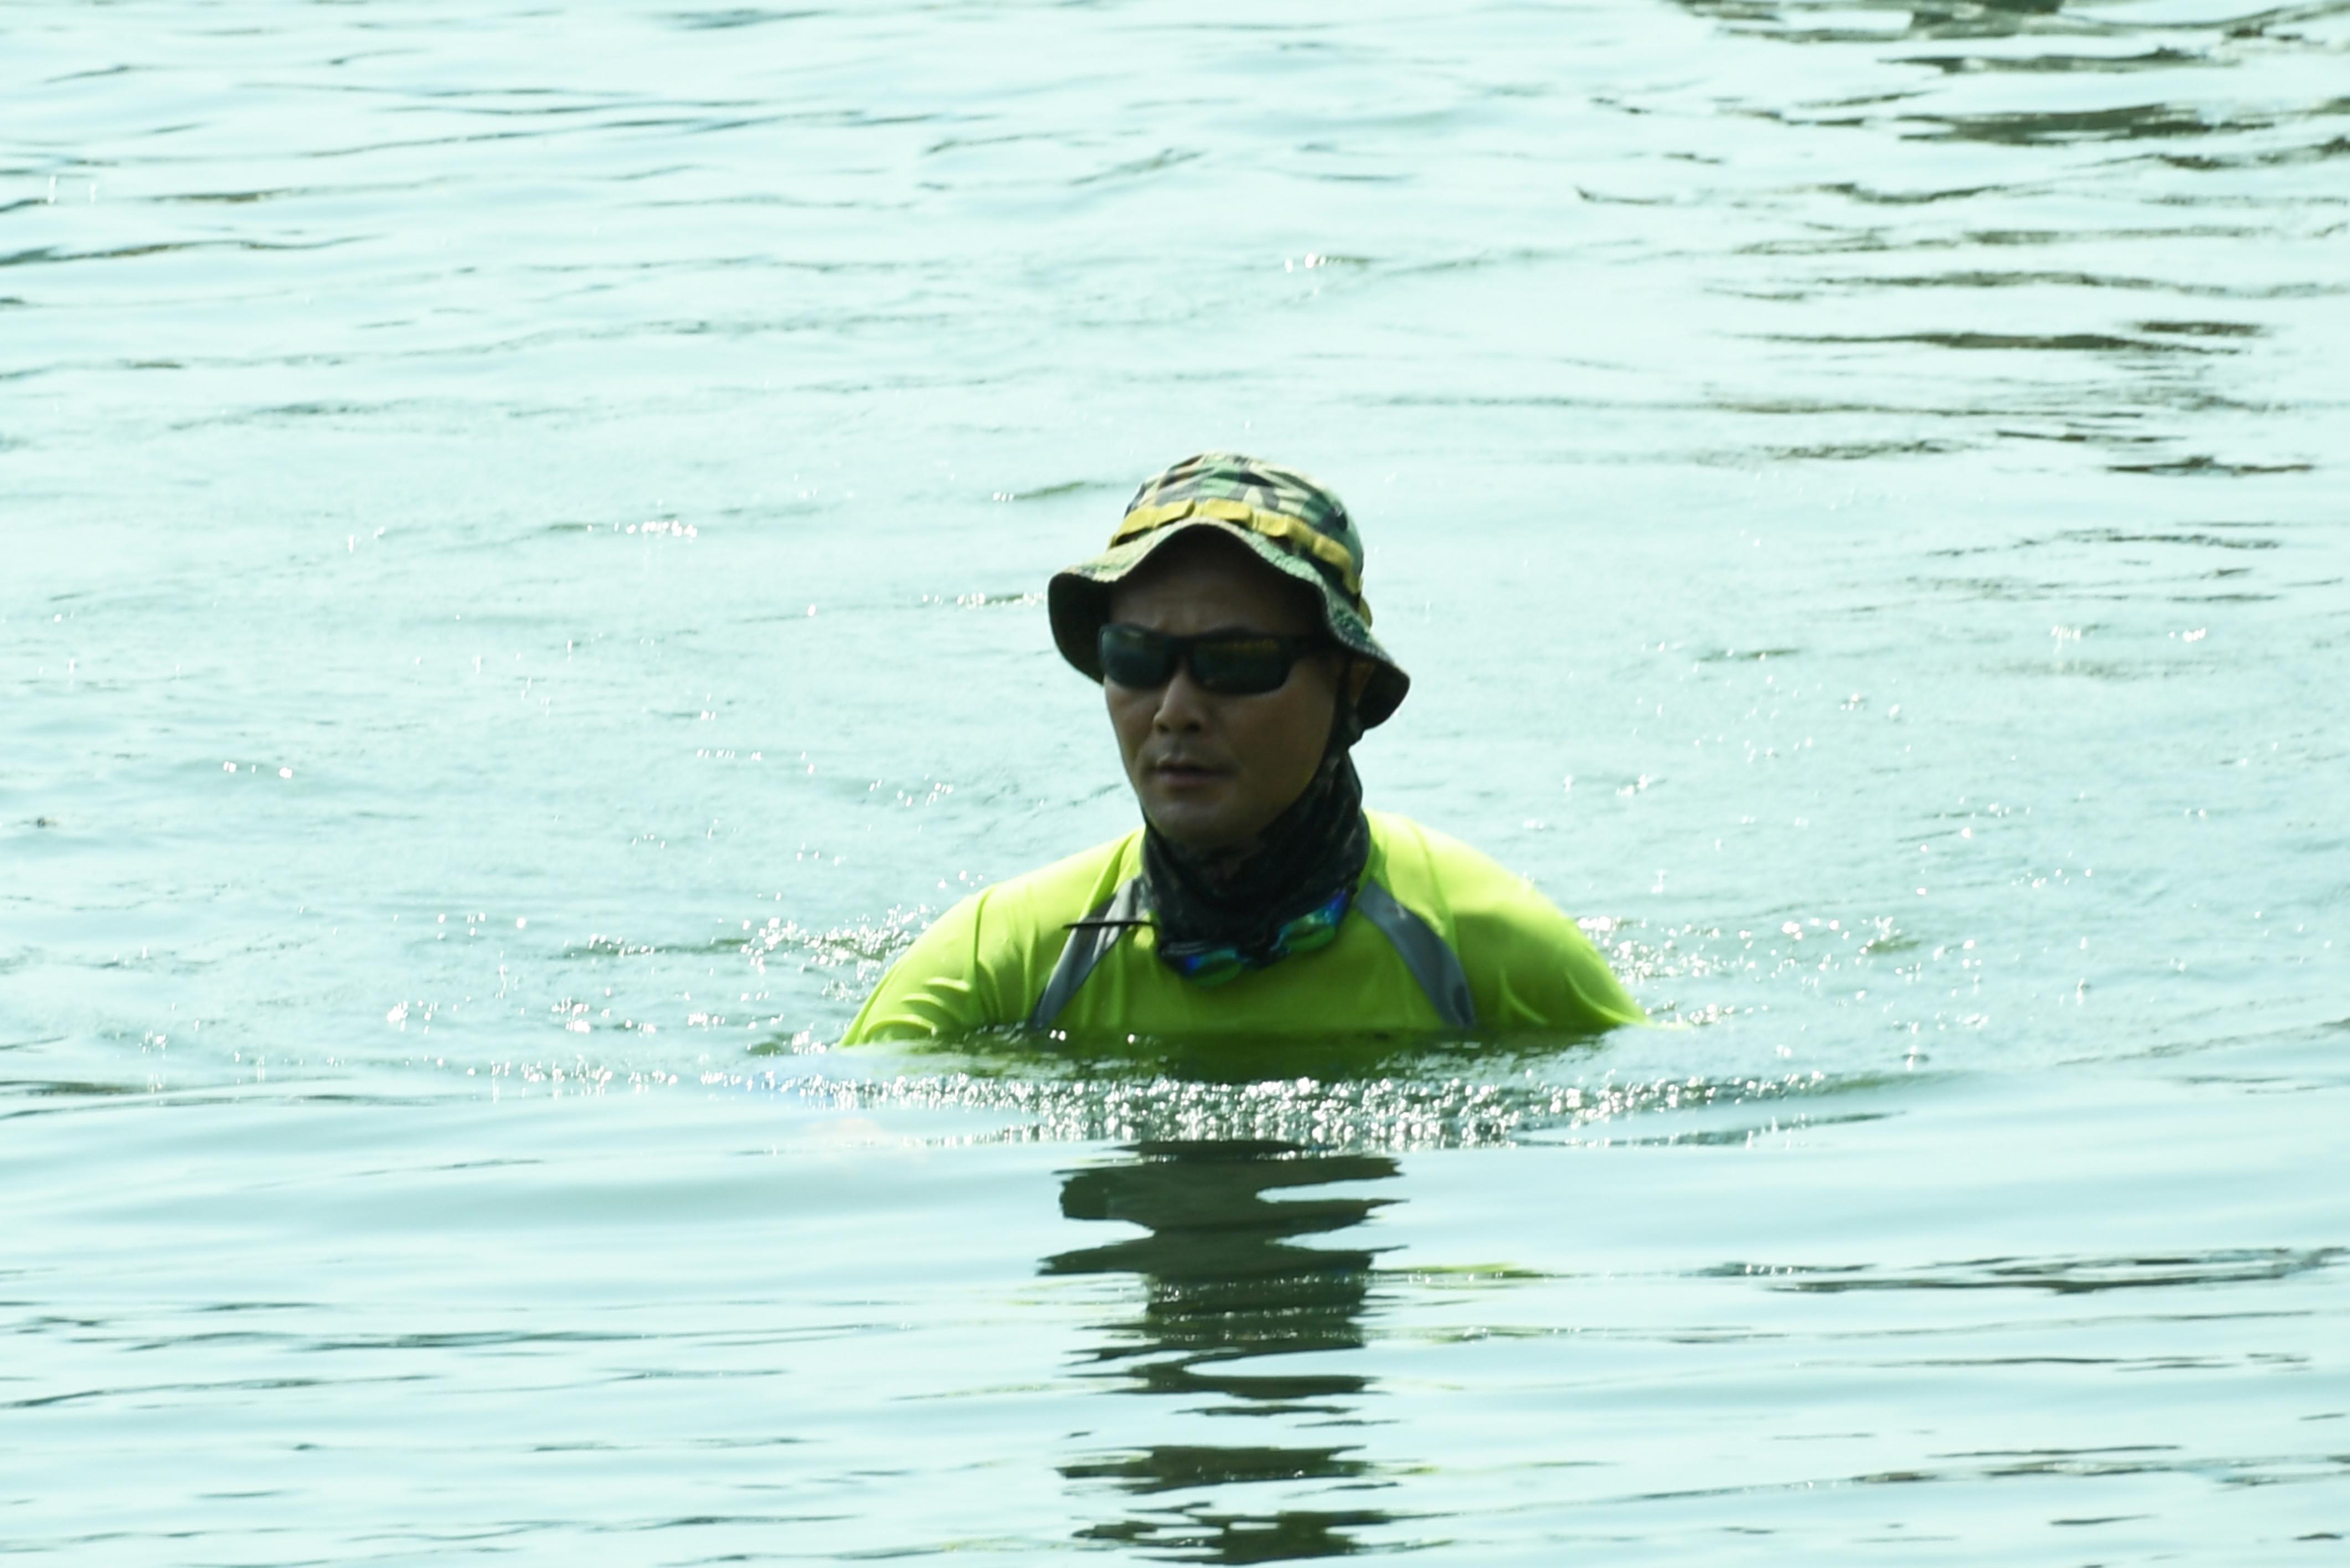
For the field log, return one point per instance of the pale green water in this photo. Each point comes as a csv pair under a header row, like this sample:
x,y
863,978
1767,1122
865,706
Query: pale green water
x,y
522,536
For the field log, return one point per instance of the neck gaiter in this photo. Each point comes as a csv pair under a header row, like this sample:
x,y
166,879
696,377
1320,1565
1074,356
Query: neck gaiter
x,y
1241,900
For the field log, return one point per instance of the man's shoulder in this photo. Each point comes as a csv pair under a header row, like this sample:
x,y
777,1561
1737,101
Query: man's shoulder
x,y
1529,964
983,961
1069,888
1424,865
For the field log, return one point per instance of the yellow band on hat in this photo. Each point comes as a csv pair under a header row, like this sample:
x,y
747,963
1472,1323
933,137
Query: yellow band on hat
x,y
1289,530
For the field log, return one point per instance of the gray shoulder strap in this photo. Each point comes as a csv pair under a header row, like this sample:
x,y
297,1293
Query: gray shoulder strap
x,y
1429,957
1089,939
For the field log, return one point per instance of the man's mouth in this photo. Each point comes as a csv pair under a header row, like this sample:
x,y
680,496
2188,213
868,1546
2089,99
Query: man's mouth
x,y
1186,769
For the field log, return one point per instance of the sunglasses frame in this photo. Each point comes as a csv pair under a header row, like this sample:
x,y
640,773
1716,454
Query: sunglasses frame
x,y
1182,653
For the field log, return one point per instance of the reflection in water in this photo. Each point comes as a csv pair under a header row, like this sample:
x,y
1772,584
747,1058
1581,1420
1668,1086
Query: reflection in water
x,y
1227,1284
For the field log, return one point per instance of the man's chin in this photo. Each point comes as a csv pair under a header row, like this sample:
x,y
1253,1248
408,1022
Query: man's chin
x,y
1193,824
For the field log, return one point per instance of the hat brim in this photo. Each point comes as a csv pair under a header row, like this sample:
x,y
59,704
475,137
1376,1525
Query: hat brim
x,y
1078,600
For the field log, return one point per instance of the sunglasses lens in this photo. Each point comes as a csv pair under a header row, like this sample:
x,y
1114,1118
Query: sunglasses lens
x,y
1241,666
1133,657
1233,665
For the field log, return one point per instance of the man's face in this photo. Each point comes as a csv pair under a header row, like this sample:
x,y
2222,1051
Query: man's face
x,y
1211,770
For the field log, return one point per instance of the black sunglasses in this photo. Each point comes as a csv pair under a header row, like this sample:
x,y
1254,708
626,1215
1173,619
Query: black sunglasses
x,y
1229,663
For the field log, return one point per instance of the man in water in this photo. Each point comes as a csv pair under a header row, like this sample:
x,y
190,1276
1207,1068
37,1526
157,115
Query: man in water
x,y
1227,626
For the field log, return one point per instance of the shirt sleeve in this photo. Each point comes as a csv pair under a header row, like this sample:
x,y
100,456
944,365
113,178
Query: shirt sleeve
x,y
1542,973
935,990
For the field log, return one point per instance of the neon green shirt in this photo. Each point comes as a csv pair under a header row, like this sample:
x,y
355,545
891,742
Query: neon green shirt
x,y
987,960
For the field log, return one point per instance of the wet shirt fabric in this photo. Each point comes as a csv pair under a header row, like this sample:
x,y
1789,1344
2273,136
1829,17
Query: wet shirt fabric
x,y
989,958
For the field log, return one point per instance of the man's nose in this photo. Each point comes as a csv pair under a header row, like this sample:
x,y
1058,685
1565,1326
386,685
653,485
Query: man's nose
x,y
1182,703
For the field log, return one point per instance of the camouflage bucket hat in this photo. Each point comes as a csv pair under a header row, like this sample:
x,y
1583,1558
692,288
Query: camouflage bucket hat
x,y
1293,524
